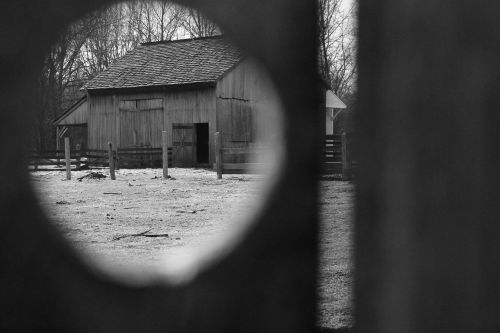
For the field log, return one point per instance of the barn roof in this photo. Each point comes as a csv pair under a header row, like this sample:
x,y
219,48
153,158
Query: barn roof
x,y
332,101
186,61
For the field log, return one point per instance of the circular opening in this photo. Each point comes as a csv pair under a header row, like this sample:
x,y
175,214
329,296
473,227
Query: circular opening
x,y
130,88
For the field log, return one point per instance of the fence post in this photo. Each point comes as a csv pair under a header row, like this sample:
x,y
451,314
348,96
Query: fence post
x,y
78,156
346,168
58,146
164,153
67,155
218,155
111,161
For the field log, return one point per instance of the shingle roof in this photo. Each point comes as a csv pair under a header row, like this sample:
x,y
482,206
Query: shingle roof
x,y
186,61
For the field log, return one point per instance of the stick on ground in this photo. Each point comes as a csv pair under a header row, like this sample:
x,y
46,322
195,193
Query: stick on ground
x,y
140,234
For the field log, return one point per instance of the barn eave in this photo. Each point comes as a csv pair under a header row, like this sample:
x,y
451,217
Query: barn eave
x,y
149,87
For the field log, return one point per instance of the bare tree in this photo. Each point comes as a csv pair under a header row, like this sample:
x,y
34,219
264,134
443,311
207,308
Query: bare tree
x,y
337,42
93,43
60,72
168,18
108,40
197,25
154,21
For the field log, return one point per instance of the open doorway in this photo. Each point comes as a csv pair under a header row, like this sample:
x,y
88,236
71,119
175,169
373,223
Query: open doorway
x,y
202,143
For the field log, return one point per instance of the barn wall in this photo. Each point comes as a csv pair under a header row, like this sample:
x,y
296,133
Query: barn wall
x,y
179,106
146,115
246,106
77,116
191,106
102,121
329,121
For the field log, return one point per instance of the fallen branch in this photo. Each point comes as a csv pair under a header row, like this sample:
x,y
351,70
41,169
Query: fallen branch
x,y
155,235
131,235
140,234
92,175
116,193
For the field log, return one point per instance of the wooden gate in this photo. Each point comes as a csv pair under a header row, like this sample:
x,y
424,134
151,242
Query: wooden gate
x,y
183,144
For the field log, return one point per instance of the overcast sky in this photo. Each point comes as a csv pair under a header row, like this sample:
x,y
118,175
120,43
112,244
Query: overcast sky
x,y
346,4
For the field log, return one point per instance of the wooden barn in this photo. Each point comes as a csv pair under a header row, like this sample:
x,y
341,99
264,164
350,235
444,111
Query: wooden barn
x,y
190,88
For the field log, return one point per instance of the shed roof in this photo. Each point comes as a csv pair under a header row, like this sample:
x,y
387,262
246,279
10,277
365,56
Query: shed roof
x,y
186,61
332,101
77,106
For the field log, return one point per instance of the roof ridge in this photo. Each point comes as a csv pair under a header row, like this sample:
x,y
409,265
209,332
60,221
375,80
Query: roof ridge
x,y
181,40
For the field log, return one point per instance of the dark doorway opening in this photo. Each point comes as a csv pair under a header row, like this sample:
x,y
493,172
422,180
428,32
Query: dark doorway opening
x,y
202,143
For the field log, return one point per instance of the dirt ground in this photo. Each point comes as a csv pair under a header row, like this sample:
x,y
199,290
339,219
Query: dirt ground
x,y
193,208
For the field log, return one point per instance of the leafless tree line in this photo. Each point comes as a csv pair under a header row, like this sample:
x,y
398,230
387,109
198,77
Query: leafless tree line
x,y
337,41
94,42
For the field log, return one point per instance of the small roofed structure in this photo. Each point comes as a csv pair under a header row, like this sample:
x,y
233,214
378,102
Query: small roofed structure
x,y
334,107
73,123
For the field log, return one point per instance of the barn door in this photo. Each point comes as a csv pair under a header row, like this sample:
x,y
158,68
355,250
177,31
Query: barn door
x,y
183,142
141,123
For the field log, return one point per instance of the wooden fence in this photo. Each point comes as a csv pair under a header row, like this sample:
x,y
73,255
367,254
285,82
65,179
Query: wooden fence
x,y
232,160
238,160
123,157
337,159
337,156
142,157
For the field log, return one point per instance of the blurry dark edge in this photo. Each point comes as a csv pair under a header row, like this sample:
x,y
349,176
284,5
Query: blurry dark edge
x,y
334,330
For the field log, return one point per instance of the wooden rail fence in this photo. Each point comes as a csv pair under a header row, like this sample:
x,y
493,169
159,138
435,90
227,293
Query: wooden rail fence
x,y
142,157
123,157
337,156
237,160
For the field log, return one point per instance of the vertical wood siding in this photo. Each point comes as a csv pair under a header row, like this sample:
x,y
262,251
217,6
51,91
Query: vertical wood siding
x,y
141,121
188,107
246,106
77,116
117,117
329,120
102,122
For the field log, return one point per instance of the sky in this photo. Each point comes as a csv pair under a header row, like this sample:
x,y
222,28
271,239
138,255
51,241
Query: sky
x,y
346,4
